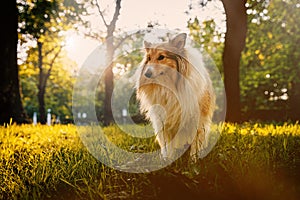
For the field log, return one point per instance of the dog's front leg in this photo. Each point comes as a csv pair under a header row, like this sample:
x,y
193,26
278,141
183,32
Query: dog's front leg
x,y
164,152
162,143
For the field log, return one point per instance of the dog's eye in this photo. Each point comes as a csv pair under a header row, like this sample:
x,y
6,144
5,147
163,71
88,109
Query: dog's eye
x,y
148,58
161,57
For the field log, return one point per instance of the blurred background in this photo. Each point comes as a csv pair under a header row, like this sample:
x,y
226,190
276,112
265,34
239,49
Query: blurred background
x,y
253,43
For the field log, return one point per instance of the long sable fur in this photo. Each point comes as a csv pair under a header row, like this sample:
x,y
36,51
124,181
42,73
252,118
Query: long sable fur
x,y
180,111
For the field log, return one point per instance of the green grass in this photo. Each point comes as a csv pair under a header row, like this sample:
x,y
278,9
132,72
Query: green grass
x,y
249,161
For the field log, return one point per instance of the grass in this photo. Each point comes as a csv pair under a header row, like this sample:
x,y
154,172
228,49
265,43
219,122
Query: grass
x,y
249,161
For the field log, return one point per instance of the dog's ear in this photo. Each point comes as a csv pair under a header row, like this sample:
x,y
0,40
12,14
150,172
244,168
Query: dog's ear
x,y
183,66
147,45
178,41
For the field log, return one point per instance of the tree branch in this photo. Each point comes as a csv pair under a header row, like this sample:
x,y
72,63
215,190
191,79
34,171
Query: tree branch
x,y
101,14
40,59
51,64
123,39
116,14
94,36
48,52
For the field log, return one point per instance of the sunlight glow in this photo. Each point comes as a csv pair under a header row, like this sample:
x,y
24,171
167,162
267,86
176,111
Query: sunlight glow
x,y
70,43
136,15
78,48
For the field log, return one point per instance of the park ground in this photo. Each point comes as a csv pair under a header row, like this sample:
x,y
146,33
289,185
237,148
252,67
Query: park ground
x,y
249,161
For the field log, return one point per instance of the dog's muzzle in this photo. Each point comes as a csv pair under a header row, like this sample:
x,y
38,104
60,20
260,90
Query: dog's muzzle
x,y
149,72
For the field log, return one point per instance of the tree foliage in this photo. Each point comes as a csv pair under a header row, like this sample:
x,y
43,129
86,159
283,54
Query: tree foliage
x,y
208,38
45,22
58,93
269,68
40,17
270,63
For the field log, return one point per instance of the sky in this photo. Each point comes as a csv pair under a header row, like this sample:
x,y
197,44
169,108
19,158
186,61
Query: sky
x,y
136,14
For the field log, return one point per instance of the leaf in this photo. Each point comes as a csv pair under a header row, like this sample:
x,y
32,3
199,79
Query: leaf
x,y
270,35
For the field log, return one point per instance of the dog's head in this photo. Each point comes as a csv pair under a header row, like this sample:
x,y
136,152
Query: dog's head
x,y
164,63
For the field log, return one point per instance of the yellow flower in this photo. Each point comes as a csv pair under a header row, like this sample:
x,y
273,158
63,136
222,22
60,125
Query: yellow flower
x,y
270,35
279,46
261,57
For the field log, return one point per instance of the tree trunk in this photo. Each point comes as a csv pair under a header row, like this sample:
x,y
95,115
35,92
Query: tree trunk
x,y
109,82
41,85
109,75
294,102
236,23
42,110
10,98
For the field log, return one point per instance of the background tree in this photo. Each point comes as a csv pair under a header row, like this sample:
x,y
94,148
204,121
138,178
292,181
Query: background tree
x,y
235,36
10,99
270,62
269,66
110,50
208,38
112,43
236,28
45,69
43,21
58,92
123,67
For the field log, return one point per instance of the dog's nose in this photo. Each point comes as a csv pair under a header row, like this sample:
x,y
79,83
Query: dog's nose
x,y
148,73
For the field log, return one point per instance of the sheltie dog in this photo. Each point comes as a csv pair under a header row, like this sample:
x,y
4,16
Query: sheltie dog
x,y
176,95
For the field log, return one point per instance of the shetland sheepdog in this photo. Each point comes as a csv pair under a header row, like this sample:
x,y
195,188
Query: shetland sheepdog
x,y
176,95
